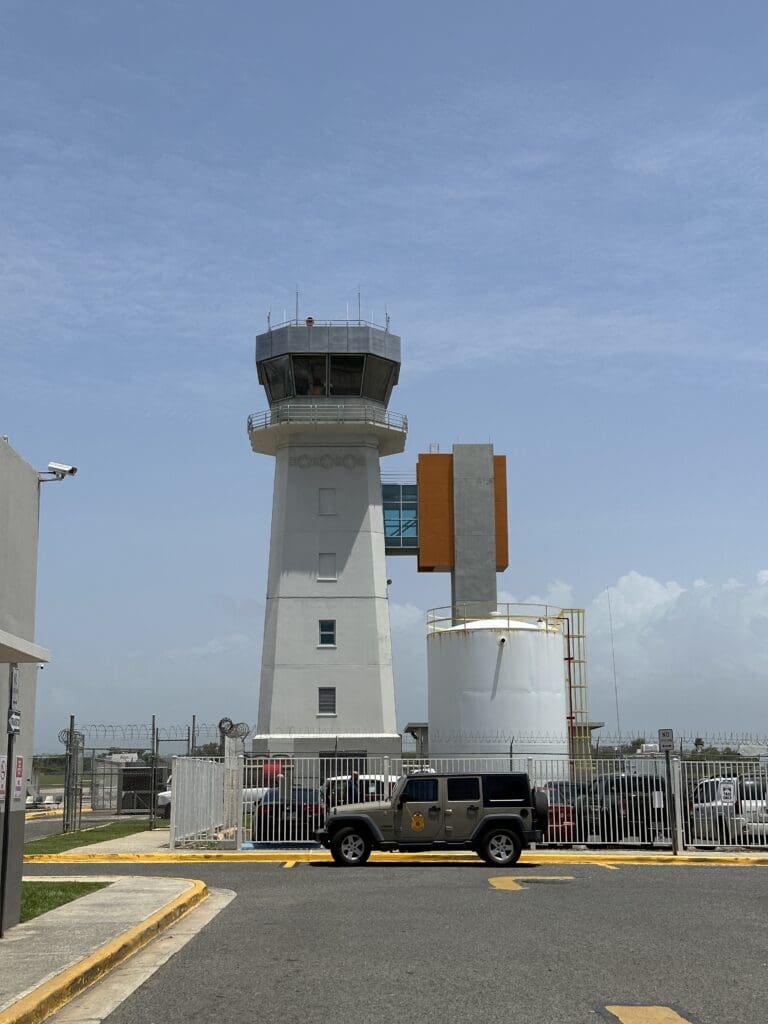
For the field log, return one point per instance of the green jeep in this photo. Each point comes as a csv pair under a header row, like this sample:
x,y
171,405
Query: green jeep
x,y
496,815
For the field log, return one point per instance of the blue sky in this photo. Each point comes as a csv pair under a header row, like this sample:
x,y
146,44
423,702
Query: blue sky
x,y
563,208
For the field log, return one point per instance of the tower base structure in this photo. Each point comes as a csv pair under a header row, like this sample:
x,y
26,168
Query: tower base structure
x,y
357,746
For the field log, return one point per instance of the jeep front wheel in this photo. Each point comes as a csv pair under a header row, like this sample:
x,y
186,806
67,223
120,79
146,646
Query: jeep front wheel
x,y
350,847
500,847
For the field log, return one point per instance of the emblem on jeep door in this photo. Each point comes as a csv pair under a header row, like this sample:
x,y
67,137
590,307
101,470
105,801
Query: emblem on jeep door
x,y
417,822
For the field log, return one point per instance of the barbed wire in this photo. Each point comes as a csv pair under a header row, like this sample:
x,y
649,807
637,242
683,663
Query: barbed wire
x,y
103,734
142,732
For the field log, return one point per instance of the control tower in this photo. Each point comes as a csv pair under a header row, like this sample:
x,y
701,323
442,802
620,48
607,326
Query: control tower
x,y
326,668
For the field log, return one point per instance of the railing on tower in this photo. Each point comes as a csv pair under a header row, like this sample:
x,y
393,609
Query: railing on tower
x,y
328,412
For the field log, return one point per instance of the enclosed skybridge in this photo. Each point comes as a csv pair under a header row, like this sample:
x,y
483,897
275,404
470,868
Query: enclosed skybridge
x,y
400,501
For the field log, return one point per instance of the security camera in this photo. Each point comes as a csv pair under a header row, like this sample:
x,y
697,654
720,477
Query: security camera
x,y
61,470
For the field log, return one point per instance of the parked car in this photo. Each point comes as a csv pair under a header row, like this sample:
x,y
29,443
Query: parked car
x,y
292,814
726,809
562,795
616,807
497,815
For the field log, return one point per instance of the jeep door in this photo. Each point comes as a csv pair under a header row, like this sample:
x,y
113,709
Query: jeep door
x,y
419,812
461,807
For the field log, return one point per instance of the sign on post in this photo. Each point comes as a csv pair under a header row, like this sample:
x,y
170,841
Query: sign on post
x,y
18,779
666,741
15,696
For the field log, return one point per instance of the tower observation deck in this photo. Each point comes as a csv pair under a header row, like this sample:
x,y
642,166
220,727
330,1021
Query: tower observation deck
x,y
326,666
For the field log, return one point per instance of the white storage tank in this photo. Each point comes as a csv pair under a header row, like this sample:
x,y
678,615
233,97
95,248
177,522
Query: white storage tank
x,y
497,685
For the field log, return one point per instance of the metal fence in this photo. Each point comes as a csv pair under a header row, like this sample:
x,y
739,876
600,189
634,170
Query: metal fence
x,y
625,802
200,809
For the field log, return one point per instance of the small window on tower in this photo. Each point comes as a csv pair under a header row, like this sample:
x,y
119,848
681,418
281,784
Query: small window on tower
x,y
326,700
326,501
326,568
327,632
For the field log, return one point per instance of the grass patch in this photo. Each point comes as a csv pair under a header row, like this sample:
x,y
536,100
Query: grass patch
x,y
40,897
86,837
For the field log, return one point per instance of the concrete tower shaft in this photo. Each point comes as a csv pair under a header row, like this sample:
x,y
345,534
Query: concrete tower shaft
x,y
327,657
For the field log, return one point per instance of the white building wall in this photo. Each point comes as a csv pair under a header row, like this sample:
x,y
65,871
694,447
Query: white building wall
x,y
294,665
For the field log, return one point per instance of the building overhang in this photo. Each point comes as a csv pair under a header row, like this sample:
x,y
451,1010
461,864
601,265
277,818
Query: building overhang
x,y
14,649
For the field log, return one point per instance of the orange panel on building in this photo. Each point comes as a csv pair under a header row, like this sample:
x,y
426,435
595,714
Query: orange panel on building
x,y
434,475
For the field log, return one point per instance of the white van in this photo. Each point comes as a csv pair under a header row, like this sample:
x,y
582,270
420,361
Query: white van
x,y
369,788
730,809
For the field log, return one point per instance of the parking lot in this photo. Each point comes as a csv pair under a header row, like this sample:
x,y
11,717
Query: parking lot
x,y
556,943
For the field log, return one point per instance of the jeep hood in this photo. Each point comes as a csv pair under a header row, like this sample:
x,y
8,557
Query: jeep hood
x,y
362,808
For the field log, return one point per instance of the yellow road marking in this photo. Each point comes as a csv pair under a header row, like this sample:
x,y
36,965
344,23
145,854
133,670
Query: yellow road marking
x,y
512,884
646,1015
290,864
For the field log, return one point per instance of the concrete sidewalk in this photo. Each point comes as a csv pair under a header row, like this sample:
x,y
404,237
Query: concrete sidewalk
x,y
52,958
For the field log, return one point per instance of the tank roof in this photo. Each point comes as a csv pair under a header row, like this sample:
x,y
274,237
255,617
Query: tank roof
x,y
499,623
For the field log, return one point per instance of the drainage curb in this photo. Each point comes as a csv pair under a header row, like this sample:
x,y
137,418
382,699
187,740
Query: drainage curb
x,y
49,997
321,857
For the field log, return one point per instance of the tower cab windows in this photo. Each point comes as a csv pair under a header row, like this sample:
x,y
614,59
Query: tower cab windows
x,y
320,375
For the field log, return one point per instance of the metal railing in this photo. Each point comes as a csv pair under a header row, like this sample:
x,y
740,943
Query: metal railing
x,y
297,321
626,802
546,616
300,412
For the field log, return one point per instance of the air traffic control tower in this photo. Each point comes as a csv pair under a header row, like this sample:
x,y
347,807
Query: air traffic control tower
x,y
326,667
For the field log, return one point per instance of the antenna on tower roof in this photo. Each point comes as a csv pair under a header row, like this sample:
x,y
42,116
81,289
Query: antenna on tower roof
x,y
297,304
358,304
269,319
386,318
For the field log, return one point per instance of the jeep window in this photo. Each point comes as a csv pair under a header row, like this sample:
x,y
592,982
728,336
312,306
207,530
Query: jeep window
x,y
463,789
505,789
420,790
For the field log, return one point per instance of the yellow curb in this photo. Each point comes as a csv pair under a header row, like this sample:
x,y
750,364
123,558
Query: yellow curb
x,y
52,995
318,857
35,815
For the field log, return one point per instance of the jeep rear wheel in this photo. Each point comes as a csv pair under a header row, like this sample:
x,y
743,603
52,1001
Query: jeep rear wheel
x,y
350,847
500,847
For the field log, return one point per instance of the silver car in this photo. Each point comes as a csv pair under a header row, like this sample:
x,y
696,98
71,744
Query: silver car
x,y
730,809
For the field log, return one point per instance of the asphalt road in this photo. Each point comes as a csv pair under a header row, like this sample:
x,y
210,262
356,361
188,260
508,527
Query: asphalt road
x,y
440,944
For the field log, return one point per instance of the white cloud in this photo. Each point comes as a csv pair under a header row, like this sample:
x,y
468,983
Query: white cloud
x,y
693,658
